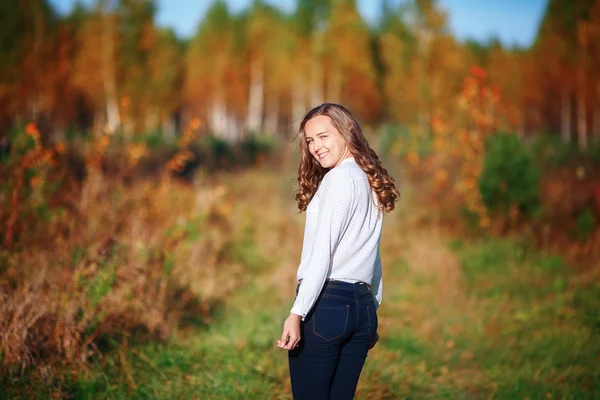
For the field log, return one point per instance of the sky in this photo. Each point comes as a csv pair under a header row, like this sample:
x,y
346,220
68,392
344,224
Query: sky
x,y
514,22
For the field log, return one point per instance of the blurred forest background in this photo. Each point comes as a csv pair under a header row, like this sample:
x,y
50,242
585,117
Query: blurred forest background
x,y
150,239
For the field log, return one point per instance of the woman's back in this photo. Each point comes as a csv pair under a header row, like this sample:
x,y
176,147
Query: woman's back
x,y
347,191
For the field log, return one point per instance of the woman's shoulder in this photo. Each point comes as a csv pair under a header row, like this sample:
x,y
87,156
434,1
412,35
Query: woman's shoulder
x,y
346,178
341,173
350,171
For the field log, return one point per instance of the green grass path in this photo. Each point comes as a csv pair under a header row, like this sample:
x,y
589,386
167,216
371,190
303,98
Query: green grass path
x,y
458,321
488,319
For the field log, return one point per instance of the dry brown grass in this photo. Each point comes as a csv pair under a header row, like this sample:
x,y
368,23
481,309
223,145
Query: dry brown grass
x,y
118,258
266,206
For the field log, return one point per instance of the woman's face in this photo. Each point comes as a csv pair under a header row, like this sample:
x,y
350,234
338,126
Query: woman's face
x,y
325,143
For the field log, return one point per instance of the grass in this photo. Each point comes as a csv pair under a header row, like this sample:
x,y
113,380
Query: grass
x,y
485,319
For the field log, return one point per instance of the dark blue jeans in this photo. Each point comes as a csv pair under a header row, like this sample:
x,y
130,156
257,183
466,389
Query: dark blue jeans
x,y
336,336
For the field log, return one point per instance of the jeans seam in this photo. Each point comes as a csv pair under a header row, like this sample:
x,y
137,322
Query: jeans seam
x,y
357,310
369,320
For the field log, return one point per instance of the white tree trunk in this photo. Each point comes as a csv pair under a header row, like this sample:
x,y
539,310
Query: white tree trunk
x,y
108,71
272,115
233,128
218,117
256,94
565,115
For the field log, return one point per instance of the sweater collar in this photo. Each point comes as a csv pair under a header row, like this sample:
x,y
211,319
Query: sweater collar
x,y
345,160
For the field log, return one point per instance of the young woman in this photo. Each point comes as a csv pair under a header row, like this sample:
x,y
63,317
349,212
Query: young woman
x,y
345,191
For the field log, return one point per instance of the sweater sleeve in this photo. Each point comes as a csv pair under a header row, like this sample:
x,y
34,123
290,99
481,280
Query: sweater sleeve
x,y
377,283
335,207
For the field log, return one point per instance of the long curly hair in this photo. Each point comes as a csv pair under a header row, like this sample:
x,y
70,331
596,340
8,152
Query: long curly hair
x,y
310,172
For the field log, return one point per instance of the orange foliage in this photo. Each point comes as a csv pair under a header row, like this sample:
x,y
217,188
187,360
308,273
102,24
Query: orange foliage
x,y
110,222
36,157
463,152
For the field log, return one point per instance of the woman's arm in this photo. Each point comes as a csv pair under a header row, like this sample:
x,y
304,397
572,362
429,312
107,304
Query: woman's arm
x,y
377,282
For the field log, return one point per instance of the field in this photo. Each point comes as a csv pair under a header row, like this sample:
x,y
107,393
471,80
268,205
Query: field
x,y
460,319
149,235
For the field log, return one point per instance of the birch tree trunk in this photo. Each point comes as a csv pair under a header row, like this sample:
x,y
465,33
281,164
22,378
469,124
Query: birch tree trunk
x,y
256,94
108,73
233,128
272,115
218,116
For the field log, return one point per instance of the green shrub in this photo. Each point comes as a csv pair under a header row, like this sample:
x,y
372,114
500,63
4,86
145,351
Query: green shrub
x,y
551,150
509,176
252,147
155,139
585,225
392,135
594,153
388,135
219,151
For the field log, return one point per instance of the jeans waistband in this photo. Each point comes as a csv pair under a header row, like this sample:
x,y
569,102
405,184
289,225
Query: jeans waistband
x,y
332,283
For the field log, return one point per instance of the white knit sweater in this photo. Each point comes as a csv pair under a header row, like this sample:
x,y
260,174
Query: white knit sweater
x,y
341,236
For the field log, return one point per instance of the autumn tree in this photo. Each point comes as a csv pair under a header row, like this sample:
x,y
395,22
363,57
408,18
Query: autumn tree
x,y
562,48
214,85
137,39
27,43
424,64
351,72
165,86
263,46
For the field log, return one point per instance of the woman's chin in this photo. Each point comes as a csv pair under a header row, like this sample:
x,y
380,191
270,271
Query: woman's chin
x,y
323,163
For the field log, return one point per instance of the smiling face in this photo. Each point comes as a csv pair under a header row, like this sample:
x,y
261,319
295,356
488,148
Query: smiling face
x,y
325,143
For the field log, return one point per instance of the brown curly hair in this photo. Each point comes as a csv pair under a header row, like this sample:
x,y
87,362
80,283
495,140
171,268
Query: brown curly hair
x,y
310,172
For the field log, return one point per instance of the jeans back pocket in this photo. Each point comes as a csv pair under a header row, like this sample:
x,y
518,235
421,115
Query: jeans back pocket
x,y
330,323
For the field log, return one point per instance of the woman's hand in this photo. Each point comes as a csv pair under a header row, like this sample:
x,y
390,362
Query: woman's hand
x,y
290,336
